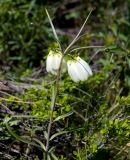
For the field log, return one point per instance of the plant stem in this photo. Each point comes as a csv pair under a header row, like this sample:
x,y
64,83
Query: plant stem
x,y
51,118
54,96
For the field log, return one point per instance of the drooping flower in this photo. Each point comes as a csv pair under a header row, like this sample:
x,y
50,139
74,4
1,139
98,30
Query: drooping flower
x,y
78,69
53,62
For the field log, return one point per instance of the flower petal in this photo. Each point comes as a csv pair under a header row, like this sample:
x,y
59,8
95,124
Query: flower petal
x,y
85,65
56,62
83,74
49,62
72,71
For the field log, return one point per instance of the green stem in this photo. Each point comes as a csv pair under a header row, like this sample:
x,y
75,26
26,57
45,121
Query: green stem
x,y
54,96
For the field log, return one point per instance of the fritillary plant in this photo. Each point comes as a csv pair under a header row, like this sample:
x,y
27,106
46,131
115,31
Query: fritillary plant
x,y
57,62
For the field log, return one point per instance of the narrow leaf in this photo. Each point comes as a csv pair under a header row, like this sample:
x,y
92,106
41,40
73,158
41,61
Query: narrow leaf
x,y
41,144
19,137
52,149
58,134
53,156
75,39
87,47
63,116
53,28
48,157
45,134
32,4
26,116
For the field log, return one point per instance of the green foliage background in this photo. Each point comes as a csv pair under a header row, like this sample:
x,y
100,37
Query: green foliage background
x,y
93,115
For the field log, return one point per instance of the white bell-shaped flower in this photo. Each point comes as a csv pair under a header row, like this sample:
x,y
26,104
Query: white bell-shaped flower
x,y
53,62
78,69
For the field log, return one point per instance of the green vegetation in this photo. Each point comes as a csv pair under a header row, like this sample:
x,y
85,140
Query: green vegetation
x,y
91,119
